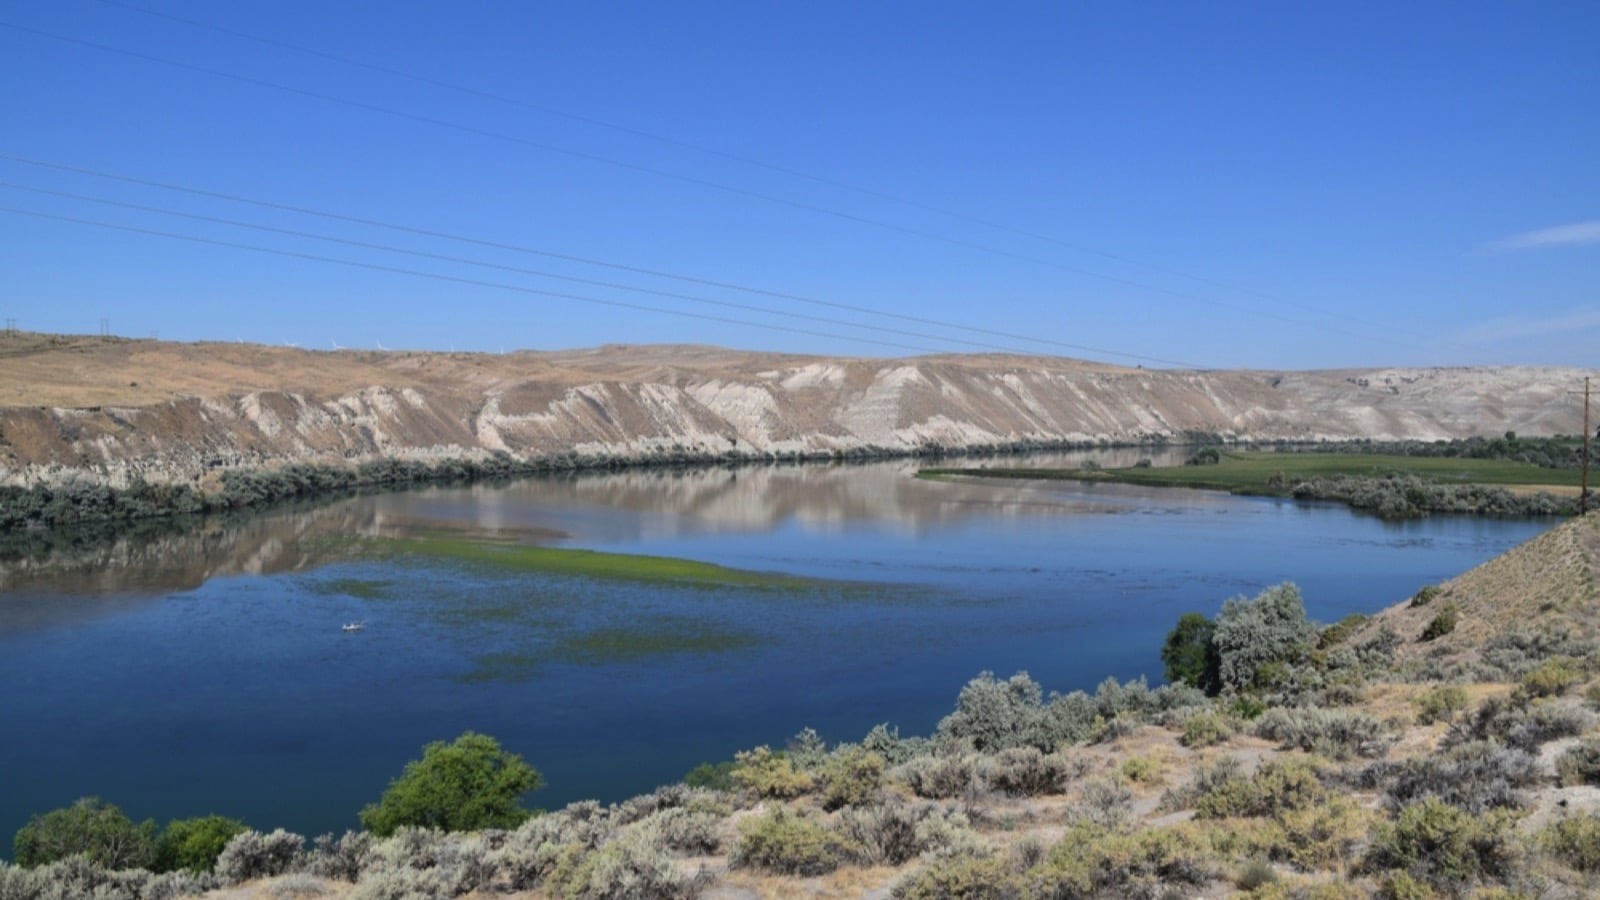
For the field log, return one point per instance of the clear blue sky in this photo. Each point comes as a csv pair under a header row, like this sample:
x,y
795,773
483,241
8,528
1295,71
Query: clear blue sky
x,y
1272,185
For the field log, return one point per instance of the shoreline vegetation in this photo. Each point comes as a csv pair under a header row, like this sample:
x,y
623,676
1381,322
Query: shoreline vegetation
x,y
1393,481
1509,460
1399,755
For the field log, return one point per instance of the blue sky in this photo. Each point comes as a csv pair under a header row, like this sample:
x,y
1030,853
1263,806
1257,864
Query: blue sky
x,y
1269,185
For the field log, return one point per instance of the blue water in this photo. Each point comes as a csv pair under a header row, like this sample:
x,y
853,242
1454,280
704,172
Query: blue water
x,y
213,675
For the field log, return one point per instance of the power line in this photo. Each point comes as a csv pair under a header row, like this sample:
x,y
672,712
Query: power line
x,y
389,248
690,179
638,270
456,279
700,148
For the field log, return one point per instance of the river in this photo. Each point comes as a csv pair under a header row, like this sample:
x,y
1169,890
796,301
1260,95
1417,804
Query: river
x,y
208,671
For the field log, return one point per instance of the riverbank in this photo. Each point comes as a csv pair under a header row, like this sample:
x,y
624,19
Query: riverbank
x,y
1390,486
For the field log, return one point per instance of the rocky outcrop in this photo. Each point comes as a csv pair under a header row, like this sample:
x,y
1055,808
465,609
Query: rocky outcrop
x,y
177,412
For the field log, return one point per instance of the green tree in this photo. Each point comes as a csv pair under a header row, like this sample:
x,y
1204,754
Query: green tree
x,y
92,827
1189,655
194,844
467,784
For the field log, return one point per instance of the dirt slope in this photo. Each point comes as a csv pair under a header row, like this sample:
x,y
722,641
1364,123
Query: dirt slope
x,y
113,409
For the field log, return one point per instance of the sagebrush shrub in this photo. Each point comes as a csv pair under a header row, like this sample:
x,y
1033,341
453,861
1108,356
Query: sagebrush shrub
x,y
1252,635
251,854
770,775
994,715
1102,803
1206,729
342,858
1441,704
1580,764
1445,845
1575,841
1334,733
940,777
850,776
1516,721
1477,777
1026,772
790,843
960,876
1552,677
1090,862
635,865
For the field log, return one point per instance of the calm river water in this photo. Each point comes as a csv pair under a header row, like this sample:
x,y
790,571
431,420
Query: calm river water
x,y
208,671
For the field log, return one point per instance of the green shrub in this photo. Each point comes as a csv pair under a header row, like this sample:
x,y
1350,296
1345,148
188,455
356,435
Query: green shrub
x,y
791,844
961,876
1287,783
1445,846
91,827
194,844
1580,764
1188,654
1247,708
1574,841
1442,624
1441,704
1340,631
850,777
1552,677
467,784
1205,730
1426,595
767,774
1090,861
711,776
1139,769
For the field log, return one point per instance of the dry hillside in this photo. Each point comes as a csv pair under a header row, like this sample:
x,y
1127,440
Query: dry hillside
x,y
113,409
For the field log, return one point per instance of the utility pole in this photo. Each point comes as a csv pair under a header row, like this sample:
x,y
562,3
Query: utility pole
x,y
1583,498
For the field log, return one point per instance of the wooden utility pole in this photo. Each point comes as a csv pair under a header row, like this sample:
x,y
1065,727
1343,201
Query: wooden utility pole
x,y
1583,498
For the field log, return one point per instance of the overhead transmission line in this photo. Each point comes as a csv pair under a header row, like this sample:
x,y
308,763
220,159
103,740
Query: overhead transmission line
x,y
461,260
687,179
533,251
456,279
708,151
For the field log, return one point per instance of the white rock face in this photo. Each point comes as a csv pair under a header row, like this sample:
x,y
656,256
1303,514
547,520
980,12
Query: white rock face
x,y
673,402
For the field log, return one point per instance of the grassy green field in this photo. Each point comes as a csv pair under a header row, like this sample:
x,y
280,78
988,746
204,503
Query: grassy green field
x,y
583,563
1253,471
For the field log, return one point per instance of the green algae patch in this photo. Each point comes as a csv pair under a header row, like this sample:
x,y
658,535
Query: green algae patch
x,y
637,568
648,639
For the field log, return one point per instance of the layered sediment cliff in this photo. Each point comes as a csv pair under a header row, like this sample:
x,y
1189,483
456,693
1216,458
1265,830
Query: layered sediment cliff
x,y
115,410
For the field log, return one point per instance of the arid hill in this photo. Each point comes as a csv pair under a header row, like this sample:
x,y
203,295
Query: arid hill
x,y
114,409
